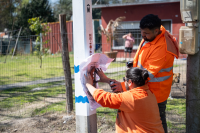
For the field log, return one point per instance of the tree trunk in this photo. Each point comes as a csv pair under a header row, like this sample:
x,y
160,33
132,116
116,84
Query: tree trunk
x,y
66,64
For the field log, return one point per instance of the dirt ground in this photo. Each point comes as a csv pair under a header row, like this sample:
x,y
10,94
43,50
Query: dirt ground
x,y
51,123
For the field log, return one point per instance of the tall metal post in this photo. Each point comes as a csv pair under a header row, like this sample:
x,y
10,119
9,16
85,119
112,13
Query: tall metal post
x,y
86,120
193,90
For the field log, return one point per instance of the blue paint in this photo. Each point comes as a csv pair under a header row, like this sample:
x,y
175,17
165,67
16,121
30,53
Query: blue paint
x,y
76,69
81,99
181,42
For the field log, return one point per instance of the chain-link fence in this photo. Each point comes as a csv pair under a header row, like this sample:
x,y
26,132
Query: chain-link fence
x,y
32,86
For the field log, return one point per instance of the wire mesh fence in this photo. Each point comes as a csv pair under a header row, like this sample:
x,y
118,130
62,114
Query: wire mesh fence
x,y
30,85
28,90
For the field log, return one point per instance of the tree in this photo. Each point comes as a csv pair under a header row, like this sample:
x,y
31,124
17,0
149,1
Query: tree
x,y
96,12
35,8
38,27
63,7
6,13
9,12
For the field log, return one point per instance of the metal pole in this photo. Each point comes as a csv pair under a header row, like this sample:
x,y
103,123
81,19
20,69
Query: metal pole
x,y
86,119
41,42
193,90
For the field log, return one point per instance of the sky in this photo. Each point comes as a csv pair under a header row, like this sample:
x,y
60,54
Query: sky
x,y
52,1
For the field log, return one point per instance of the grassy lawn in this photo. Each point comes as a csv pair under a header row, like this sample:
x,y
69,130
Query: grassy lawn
x,y
18,97
55,107
176,110
27,68
15,97
116,64
107,113
177,105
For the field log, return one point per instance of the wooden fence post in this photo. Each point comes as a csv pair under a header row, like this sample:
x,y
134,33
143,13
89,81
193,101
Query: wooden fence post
x,y
66,64
1,47
31,48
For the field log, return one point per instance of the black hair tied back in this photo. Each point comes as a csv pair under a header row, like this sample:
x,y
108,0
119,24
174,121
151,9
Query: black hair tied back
x,y
145,75
137,75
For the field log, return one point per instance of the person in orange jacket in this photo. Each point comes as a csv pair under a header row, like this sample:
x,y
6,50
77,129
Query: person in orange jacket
x,y
156,54
137,107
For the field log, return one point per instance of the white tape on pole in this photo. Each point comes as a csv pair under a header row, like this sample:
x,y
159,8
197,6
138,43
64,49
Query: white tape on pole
x,y
83,47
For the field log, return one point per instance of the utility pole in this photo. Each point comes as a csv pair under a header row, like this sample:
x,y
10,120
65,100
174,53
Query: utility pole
x,y
86,119
189,37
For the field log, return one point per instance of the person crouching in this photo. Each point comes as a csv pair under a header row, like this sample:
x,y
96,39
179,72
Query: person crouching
x,y
137,107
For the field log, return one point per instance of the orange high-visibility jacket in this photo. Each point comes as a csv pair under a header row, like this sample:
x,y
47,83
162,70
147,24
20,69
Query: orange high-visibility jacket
x,y
157,57
138,110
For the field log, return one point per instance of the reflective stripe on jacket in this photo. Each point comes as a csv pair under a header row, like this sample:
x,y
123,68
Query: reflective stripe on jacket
x,y
157,57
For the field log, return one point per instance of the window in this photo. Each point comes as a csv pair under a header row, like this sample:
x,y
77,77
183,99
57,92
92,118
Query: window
x,y
167,25
125,28
133,27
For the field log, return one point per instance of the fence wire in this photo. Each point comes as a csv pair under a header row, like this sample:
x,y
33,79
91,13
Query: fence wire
x,y
28,90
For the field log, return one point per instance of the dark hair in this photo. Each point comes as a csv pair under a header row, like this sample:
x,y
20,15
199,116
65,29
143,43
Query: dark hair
x,y
137,75
150,21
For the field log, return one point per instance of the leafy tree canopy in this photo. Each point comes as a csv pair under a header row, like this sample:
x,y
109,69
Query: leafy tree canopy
x,y
32,9
63,7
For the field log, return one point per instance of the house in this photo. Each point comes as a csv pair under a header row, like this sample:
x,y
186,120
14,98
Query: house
x,y
53,38
134,10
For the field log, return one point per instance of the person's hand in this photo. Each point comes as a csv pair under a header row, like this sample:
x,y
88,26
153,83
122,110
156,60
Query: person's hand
x,y
116,86
102,76
88,79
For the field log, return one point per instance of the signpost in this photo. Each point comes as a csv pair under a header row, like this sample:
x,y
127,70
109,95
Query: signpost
x,y
86,120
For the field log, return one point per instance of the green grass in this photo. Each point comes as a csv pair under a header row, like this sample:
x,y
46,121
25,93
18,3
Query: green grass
x,y
174,128
20,96
116,64
60,107
27,68
176,65
177,105
55,107
107,113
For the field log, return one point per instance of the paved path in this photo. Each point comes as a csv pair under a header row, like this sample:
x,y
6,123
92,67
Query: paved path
x,y
22,84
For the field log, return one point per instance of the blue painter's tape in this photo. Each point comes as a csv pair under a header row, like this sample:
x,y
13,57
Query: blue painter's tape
x,y
81,99
181,42
76,69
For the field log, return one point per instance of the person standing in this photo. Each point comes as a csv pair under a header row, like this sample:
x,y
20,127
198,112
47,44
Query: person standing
x,y
156,54
129,41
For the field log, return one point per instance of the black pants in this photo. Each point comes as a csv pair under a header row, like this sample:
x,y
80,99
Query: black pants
x,y
162,108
